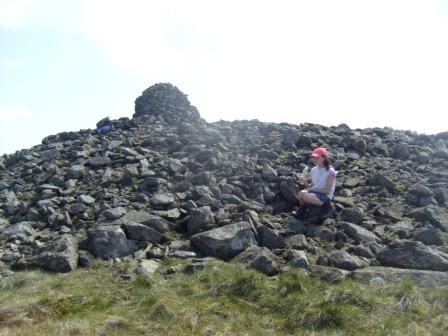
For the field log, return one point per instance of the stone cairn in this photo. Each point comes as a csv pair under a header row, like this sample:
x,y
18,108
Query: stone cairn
x,y
166,101
168,184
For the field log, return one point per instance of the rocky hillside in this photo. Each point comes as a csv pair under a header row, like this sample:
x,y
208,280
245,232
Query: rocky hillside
x,y
167,183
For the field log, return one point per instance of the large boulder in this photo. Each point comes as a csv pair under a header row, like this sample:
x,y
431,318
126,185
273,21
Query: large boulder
x,y
269,238
289,190
200,219
413,255
358,233
59,256
341,259
437,217
142,217
351,215
18,231
328,274
384,181
431,279
141,232
225,242
109,242
259,258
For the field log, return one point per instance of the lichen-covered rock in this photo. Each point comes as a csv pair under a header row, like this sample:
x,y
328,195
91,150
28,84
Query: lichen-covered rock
x,y
109,242
259,258
412,255
225,242
59,256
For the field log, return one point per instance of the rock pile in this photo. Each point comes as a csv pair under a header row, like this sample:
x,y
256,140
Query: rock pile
x,y
166,183
166,101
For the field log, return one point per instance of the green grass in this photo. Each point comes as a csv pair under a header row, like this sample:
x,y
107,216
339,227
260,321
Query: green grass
x,y
222,299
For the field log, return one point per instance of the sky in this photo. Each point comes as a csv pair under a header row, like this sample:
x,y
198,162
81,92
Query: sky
x,y
66,64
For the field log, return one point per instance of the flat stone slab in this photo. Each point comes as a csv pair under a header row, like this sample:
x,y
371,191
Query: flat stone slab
x,y
327,274
430,279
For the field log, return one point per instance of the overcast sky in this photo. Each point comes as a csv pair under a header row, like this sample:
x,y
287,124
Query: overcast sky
x,y
66,64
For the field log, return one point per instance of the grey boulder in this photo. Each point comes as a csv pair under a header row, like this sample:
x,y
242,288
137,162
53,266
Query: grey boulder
x,y
109,242
431,279
259,258
341,259
59,256
225,242
18,231
413,255
141,232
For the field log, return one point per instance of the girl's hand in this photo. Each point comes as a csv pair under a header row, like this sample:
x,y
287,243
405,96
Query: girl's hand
x,y
302,180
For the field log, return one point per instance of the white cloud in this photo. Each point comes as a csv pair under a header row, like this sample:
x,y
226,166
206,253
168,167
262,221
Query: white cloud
x,y
14,12
379,63
13,113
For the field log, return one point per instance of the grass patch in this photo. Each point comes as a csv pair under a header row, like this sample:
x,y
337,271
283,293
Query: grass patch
x,y
222,299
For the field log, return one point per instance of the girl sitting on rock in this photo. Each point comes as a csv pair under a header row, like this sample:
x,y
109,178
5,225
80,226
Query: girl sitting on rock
x,y
323,182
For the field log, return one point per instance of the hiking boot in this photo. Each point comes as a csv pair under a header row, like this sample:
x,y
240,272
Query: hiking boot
x,y
301,212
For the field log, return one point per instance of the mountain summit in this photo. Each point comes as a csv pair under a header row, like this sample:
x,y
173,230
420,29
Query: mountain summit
x,y
168,184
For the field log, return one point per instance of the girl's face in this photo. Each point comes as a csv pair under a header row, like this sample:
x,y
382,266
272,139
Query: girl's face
x,y
319,161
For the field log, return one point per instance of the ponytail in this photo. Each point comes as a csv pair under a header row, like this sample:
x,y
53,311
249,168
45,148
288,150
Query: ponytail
x,y
327,163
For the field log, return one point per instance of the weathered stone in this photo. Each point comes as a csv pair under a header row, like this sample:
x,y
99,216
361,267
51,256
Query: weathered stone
x,y
437,217
269,173
176,167
388,213
147,267
99,161
86,199
358,233
296,225
77,208
343,260
200,219
269,238
59,256
153,221
297,242
429,236
183,254
345,201
382,180
328,274
109,242
163,198
289,190
354,215
298,259
201,179
413,255
85,259
114,213
18,231
259,258
353,182
138,231
75,172
402,229
430,279
225,242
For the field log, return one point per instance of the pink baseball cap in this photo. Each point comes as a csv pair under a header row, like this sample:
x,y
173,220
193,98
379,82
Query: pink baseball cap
x,y
319,152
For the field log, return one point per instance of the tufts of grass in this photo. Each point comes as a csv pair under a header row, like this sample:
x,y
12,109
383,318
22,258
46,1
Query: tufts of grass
x,y
222,299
